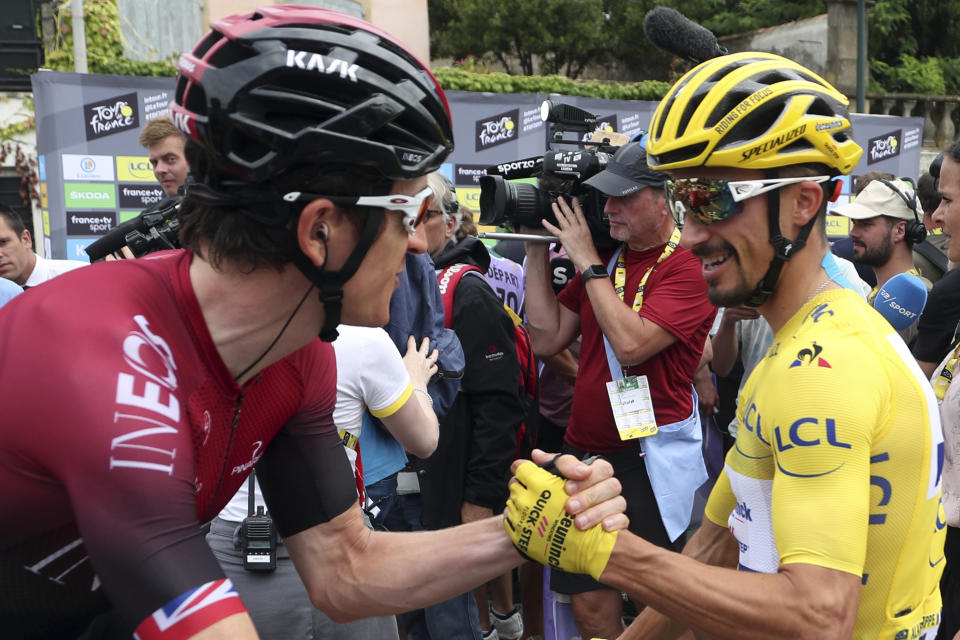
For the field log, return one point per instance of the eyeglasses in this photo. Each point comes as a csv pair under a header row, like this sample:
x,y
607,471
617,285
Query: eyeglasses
x,y
414,208
710,200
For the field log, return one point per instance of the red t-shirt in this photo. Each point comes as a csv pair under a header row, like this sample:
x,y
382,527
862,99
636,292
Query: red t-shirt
x,y
675,298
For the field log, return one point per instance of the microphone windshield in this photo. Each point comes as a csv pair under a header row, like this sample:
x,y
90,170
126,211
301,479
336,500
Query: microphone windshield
x,y
670,30
901,300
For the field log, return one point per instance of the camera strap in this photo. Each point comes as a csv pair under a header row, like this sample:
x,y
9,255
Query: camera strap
x,y
620,273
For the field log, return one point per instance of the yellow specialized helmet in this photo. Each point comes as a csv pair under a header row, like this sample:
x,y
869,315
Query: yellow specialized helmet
x,y
752,111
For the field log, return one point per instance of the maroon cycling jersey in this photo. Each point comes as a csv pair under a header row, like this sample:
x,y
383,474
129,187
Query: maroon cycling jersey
x,y
121,432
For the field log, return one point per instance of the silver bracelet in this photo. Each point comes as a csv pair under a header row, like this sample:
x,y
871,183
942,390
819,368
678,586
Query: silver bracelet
x,y
424,392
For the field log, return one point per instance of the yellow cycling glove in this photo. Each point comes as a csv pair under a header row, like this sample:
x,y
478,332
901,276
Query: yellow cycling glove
x,y
544,532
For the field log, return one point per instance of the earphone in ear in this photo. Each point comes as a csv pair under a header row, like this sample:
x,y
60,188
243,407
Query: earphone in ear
x,y
322,233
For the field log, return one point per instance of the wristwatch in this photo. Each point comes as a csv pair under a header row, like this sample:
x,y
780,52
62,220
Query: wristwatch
x,y
594,271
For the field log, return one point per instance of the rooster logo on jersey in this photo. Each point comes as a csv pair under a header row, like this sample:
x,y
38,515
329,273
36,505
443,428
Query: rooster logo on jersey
x,y
810,356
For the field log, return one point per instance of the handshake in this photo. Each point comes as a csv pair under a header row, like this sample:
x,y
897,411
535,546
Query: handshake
x,y
544,530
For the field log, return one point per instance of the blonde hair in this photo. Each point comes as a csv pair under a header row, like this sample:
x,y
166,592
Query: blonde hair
x,y
445,199
157,129
467,226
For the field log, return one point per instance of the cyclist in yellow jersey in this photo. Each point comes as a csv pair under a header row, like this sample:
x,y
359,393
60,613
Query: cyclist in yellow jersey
x,y
829,504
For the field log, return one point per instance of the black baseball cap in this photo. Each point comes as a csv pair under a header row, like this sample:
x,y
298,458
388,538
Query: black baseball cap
x,y
627,172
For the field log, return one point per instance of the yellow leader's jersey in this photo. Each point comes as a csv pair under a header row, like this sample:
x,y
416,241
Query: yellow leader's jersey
x,y
837,464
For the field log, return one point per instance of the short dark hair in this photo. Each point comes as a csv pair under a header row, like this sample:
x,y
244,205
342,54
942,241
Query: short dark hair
x,y
13,220
927,194
158,129
954,150
239,230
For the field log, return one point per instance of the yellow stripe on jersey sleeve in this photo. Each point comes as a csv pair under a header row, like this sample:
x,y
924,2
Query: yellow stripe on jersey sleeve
x,y
393,407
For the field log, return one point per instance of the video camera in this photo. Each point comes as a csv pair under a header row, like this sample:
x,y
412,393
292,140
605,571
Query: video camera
x,y
156,228
560,172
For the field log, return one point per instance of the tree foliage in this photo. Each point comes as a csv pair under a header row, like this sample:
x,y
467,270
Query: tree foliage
x,y
101,21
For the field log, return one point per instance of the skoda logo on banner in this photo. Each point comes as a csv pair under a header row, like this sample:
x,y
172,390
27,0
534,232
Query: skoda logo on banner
x,y
497,129
885,146
111,116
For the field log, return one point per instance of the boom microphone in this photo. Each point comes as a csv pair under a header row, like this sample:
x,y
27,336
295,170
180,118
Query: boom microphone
x,y
670,30
901,300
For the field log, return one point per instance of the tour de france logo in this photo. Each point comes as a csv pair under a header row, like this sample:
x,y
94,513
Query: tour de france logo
x,y
883,147
497,129
110,116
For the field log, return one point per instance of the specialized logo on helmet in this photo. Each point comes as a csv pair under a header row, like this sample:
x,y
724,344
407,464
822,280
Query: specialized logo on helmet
x,y
779,141
745,106
316,62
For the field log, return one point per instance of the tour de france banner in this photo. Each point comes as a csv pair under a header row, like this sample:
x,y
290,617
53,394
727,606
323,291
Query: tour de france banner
x,y
94,174
507,129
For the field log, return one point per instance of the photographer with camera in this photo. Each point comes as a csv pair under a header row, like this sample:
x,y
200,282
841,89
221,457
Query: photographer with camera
x,y
643,314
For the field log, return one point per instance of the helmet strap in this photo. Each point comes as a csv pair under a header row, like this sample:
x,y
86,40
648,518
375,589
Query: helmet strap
x,y
783,248
330,283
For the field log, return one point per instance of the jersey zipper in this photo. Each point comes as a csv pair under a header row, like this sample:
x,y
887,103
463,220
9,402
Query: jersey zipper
x,y
226,456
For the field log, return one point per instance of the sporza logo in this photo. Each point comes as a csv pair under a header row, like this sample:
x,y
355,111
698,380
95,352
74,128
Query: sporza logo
x,y
497,130
883,147
111,116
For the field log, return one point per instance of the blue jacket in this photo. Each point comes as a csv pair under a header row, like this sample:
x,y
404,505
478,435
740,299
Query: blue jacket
x,y
416,308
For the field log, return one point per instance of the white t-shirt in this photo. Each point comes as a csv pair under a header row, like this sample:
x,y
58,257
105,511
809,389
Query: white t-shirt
x,y
46,269
370,375
950,419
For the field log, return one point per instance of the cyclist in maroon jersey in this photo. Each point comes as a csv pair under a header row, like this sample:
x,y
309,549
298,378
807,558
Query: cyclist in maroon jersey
x,y
137,395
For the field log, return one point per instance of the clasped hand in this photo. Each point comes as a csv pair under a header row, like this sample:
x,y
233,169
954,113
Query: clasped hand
x,y
569,521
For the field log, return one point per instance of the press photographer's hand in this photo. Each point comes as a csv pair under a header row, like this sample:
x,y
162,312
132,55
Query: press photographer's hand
x,y
574,233
575,532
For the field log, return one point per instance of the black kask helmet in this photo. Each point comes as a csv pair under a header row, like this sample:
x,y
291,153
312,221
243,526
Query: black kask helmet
x,y
289,85
286,87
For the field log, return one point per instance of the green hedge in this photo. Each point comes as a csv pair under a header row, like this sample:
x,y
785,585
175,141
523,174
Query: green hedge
x,y
459,80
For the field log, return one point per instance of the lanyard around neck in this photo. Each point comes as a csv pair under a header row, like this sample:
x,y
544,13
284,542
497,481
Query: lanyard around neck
x,y
620,274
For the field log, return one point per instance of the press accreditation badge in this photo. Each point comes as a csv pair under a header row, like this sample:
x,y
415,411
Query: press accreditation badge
x,y
632,407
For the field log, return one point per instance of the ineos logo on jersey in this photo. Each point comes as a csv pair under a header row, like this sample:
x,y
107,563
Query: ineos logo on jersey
x,y
133,347
316,62
150,388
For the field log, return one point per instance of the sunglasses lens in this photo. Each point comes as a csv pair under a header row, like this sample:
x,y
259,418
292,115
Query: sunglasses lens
x,y
706,200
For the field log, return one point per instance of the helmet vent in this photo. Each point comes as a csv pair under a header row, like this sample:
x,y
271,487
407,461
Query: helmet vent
x,y
205,44
681,155
800,144
754,125
196,100
725,106
820,107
